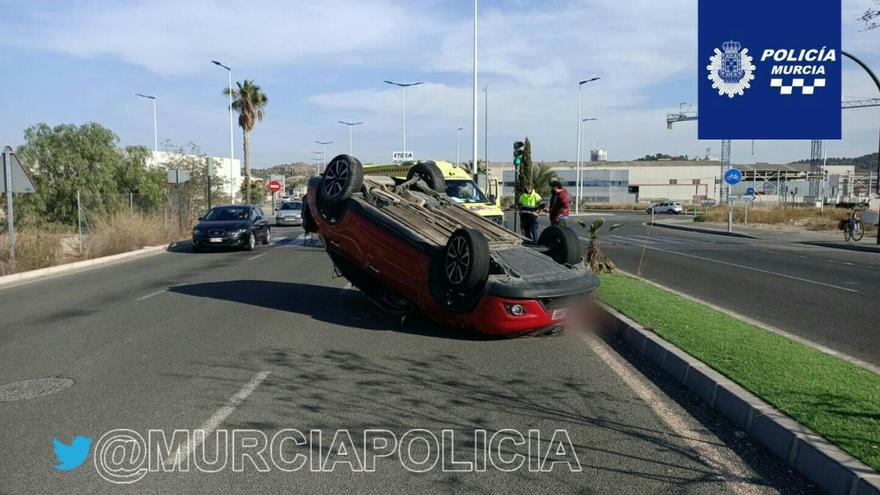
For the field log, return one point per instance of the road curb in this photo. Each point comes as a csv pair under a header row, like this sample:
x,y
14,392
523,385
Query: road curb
x,y
78,265
700,230
828,466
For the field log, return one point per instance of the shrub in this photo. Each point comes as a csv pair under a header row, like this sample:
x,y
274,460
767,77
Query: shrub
x,y
122,232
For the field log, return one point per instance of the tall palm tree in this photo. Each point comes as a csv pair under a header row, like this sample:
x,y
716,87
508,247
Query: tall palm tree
x,y
249,101
540,179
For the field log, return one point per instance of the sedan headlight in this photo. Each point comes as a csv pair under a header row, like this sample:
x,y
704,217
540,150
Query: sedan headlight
x,y
197,232
238,232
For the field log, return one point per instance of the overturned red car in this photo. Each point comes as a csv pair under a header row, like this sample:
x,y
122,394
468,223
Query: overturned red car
x,y
409,248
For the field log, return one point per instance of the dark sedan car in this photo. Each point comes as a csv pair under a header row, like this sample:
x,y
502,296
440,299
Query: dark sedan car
x,y
236,226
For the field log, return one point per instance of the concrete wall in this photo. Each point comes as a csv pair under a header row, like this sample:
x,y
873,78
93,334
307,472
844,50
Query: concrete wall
x,y
229,171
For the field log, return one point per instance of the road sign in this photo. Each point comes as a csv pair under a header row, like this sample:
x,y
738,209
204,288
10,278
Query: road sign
x,y
402,156
751,191
274,186
21,182
178,176
733,177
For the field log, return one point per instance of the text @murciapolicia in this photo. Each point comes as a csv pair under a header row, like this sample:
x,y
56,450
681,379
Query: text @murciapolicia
x,y
126,456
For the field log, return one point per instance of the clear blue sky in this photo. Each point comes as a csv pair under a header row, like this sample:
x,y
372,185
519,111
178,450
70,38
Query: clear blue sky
x,y
319,62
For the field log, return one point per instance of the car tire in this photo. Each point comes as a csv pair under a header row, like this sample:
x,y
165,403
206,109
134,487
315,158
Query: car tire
x,y
466,260
251,242
343,177
430,173
308,222
562,243
267,238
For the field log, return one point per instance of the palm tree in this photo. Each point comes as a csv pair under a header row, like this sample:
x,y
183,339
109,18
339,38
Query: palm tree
x,y
540,179
249,101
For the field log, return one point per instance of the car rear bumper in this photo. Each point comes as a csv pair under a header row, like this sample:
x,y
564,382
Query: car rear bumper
x,y
288,221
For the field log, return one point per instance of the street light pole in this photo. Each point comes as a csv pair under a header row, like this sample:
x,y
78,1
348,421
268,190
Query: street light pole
x,y
458,146
577,174
584,127
155,128
486,135
476,117
231,133
403,86
876,83
324,152
350,125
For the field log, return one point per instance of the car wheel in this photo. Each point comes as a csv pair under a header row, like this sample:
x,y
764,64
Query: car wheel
x,y
562,243
430,173
466,259
267,238
251,242
343,177
308,222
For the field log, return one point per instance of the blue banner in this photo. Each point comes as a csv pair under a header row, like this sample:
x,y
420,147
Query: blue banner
x,y
769,69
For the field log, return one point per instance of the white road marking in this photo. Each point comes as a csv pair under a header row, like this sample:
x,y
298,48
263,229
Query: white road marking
x,y
745,267
728,465
151,294
217,418
257,256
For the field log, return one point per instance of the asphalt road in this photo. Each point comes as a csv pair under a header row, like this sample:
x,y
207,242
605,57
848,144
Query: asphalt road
x,y
269,340
826,295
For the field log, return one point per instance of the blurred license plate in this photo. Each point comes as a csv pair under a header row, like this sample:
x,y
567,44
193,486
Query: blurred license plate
x,y
558,314
216,239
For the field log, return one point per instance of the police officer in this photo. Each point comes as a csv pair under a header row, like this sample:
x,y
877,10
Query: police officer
x,y
530,207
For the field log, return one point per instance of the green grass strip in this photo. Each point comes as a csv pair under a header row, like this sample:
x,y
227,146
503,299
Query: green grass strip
x,y
834,398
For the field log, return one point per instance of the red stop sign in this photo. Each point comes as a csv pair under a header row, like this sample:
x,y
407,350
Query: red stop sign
x,y
274,186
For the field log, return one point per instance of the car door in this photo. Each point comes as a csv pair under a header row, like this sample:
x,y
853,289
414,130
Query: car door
x,y
260,224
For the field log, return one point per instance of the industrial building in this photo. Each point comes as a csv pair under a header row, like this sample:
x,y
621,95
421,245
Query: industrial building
x,y
696,181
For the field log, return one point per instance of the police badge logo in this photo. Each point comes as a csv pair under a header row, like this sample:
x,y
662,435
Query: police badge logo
x,y
731,70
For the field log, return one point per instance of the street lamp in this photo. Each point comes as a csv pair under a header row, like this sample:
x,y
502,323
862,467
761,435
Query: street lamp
x,y
324,152
474,98
155,129
458,146
403,86
578,169
231,133
588,119
350,125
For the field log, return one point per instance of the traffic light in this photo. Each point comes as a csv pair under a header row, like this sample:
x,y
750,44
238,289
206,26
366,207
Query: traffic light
x,y
518,154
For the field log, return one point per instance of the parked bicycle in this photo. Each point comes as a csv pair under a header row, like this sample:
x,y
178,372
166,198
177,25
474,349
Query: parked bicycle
x,y
853,229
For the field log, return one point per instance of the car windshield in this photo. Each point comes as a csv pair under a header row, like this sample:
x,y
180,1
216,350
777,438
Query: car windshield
x,y
464,191
227,213
293,205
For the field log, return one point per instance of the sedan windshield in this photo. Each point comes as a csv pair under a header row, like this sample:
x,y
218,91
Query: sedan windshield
x,y
227,213
464,191
292,205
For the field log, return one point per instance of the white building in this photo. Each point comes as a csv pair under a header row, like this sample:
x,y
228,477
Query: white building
x,y
224,168
689,181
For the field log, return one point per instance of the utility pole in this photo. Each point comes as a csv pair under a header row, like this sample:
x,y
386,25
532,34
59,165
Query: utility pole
x,y
350,125
231,133
155,129
486,135
474,97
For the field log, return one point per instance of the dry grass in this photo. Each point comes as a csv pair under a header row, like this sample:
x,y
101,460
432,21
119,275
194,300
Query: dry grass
x,y
803,218
33,249
124,232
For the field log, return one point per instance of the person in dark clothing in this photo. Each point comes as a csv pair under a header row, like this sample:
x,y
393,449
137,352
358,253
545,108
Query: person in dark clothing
x,y
559,207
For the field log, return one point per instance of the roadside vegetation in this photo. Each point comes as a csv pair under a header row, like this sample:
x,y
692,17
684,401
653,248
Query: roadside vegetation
x,y
833,397
816,219
87,183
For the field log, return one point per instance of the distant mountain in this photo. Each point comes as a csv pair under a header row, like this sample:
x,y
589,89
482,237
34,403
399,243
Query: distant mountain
x,y
298,169
864,162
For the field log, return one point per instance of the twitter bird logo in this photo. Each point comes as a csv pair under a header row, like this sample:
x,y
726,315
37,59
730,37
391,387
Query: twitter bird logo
x,y
71,456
